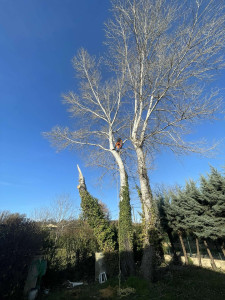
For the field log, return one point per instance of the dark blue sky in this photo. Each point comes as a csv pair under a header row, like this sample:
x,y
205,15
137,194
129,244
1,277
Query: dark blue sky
x,y
38,39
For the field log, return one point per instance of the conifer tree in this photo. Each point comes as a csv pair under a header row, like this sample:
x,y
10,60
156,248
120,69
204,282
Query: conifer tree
x,y
162,203
205,210
191,205
213,193
176,214
213,202
199,211
195,216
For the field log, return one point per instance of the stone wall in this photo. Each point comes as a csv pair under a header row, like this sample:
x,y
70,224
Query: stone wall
x,y
205,262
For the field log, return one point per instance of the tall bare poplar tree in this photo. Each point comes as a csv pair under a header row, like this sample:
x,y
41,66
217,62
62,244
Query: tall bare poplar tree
x,y
167,51
161,54
96,110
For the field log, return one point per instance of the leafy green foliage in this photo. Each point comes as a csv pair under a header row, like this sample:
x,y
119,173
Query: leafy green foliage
x,y
174,283
162,201
20,240
125,233
125,222
138,242
213,204
112,263
198,211
152,234
71,256
175,211
95,217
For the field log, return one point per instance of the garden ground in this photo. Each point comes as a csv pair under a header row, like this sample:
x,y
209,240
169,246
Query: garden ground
x,y
174,282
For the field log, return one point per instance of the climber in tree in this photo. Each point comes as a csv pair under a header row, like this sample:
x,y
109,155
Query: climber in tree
x,y
118,145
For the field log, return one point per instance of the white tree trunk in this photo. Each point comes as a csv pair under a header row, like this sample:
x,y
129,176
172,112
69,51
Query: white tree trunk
x,y
146,193
148,259
122,171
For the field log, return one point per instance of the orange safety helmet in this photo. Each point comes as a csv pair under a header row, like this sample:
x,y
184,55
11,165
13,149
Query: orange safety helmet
x,y
119,144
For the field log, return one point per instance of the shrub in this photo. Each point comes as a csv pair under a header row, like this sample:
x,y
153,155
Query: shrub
x,y
72,255
20,240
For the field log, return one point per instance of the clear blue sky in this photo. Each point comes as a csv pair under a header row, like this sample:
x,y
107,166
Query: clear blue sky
x,y
38,39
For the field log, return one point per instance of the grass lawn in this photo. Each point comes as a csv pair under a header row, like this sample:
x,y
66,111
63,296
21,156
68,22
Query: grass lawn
x,y
174,283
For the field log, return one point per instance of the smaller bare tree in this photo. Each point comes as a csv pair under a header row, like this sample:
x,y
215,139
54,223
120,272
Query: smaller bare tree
x,y
60,212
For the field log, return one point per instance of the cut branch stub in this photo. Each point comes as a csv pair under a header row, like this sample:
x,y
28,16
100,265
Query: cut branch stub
x,y
82,185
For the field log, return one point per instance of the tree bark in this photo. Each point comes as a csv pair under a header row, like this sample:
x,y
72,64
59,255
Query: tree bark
x,y
210,255
198,252
148,259
122,171
82,185
169,233
223,248
183,248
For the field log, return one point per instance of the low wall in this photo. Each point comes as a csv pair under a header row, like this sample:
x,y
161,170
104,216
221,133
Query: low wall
x,y
220,264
